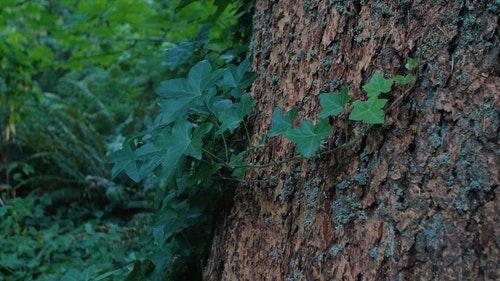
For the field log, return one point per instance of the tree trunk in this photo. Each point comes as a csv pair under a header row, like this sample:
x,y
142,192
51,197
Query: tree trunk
x,y
417,198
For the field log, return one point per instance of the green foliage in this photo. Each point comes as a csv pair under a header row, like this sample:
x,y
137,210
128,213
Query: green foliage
x,y
308,137
403,80
75,76
38,37
191,108
39,244
411,64
281,123
369,111
378,85
185,149
333,103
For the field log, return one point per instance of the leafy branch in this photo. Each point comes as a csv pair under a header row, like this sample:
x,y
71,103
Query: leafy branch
x,y
199,113
308,137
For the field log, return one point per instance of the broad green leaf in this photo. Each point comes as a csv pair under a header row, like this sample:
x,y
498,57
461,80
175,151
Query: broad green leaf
x,y
199,78
403,80
194,149
369,111
179,54
177,88
411,63
171,109
233,116
151,157
239,173
184,94
333,103
124,160
281,123
238,160
199,75
174,146
233,75
238,77
308,137
3,210
168,151
378,84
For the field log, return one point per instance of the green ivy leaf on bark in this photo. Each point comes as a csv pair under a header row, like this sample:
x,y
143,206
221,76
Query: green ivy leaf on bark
x,y
308,137
378,84
333,103
281,123
369,111
411,63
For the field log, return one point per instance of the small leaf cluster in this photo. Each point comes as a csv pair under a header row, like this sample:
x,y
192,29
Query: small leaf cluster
x,y
308,136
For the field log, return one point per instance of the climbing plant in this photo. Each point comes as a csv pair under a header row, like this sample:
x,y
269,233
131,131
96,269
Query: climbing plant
x,y
308,136
198,142
78,76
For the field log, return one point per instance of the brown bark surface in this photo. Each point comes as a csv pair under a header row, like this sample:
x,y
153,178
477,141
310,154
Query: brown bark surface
x,y
418,197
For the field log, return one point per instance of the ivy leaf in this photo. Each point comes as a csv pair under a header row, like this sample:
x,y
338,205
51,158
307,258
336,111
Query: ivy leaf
x,y
281,123
411,63
233,116
202,77
199,78
378,84
182,141
239,173
182,94
179,54
171,109
177,88
150,156
194,149
174,146
369,111
124,160
308,137
333,103
170,149
403,80
238,77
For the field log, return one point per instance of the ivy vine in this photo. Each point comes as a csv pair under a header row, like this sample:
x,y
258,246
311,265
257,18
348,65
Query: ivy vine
x,y
199,140
308,136
198,114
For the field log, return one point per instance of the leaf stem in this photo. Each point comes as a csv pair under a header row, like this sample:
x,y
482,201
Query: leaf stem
x,y
299,157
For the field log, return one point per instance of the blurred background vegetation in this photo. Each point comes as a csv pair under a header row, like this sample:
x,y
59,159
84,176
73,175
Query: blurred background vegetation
x,y
77,77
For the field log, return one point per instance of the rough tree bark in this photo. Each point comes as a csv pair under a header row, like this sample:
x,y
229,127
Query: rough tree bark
x,y
417,198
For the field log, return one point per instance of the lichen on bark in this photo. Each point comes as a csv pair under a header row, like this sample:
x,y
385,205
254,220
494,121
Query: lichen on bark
x,y
417,198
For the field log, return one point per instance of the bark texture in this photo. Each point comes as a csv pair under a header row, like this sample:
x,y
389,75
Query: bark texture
x,y
418,197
